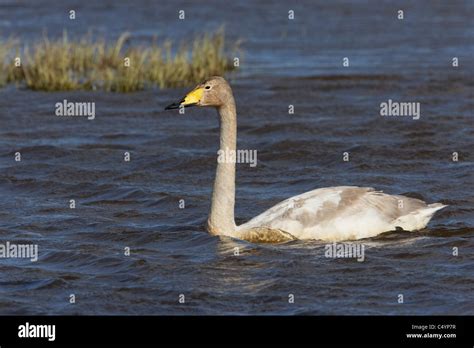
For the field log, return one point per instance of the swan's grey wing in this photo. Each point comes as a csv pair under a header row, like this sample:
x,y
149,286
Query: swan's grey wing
x,y
344,213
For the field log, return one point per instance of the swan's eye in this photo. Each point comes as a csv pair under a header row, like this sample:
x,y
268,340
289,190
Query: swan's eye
x,y
207,87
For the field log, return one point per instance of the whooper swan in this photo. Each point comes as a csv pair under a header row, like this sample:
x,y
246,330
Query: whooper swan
x,y
329,214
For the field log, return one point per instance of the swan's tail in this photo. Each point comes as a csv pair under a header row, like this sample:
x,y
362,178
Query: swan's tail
x,y
419,218
437,206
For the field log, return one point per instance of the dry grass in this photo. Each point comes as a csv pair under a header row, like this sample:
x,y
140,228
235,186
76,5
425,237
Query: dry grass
x,y
7,54
63,64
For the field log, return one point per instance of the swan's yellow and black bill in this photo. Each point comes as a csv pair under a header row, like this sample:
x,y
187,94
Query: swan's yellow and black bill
x,y
191,99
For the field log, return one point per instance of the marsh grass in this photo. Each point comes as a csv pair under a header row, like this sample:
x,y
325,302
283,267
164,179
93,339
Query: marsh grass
x,y
88,64
7,54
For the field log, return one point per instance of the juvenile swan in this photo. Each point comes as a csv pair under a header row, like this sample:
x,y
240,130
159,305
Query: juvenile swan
x,y
330,214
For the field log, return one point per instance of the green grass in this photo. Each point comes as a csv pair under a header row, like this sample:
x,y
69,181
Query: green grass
x,y
88,64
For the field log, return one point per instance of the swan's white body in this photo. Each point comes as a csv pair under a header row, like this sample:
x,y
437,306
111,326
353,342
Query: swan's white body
x,y
330,214
344,213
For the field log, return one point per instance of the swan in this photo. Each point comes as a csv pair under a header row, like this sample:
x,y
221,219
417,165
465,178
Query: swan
x,y
329,214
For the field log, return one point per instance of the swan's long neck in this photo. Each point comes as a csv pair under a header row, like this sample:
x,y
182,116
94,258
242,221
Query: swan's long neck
x,y
221,218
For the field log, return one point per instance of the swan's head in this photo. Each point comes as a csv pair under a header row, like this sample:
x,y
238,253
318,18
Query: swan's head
x,y
213,92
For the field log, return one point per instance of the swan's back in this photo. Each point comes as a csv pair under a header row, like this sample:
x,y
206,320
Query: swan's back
x,y
344,213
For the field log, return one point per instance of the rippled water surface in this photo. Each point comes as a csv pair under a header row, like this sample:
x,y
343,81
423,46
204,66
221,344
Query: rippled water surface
x,y
136,204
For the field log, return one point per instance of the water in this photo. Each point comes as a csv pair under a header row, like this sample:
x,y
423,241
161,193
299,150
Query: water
x,y
136,204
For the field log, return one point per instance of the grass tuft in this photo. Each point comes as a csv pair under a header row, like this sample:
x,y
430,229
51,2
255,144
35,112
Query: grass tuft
x,y
88,64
